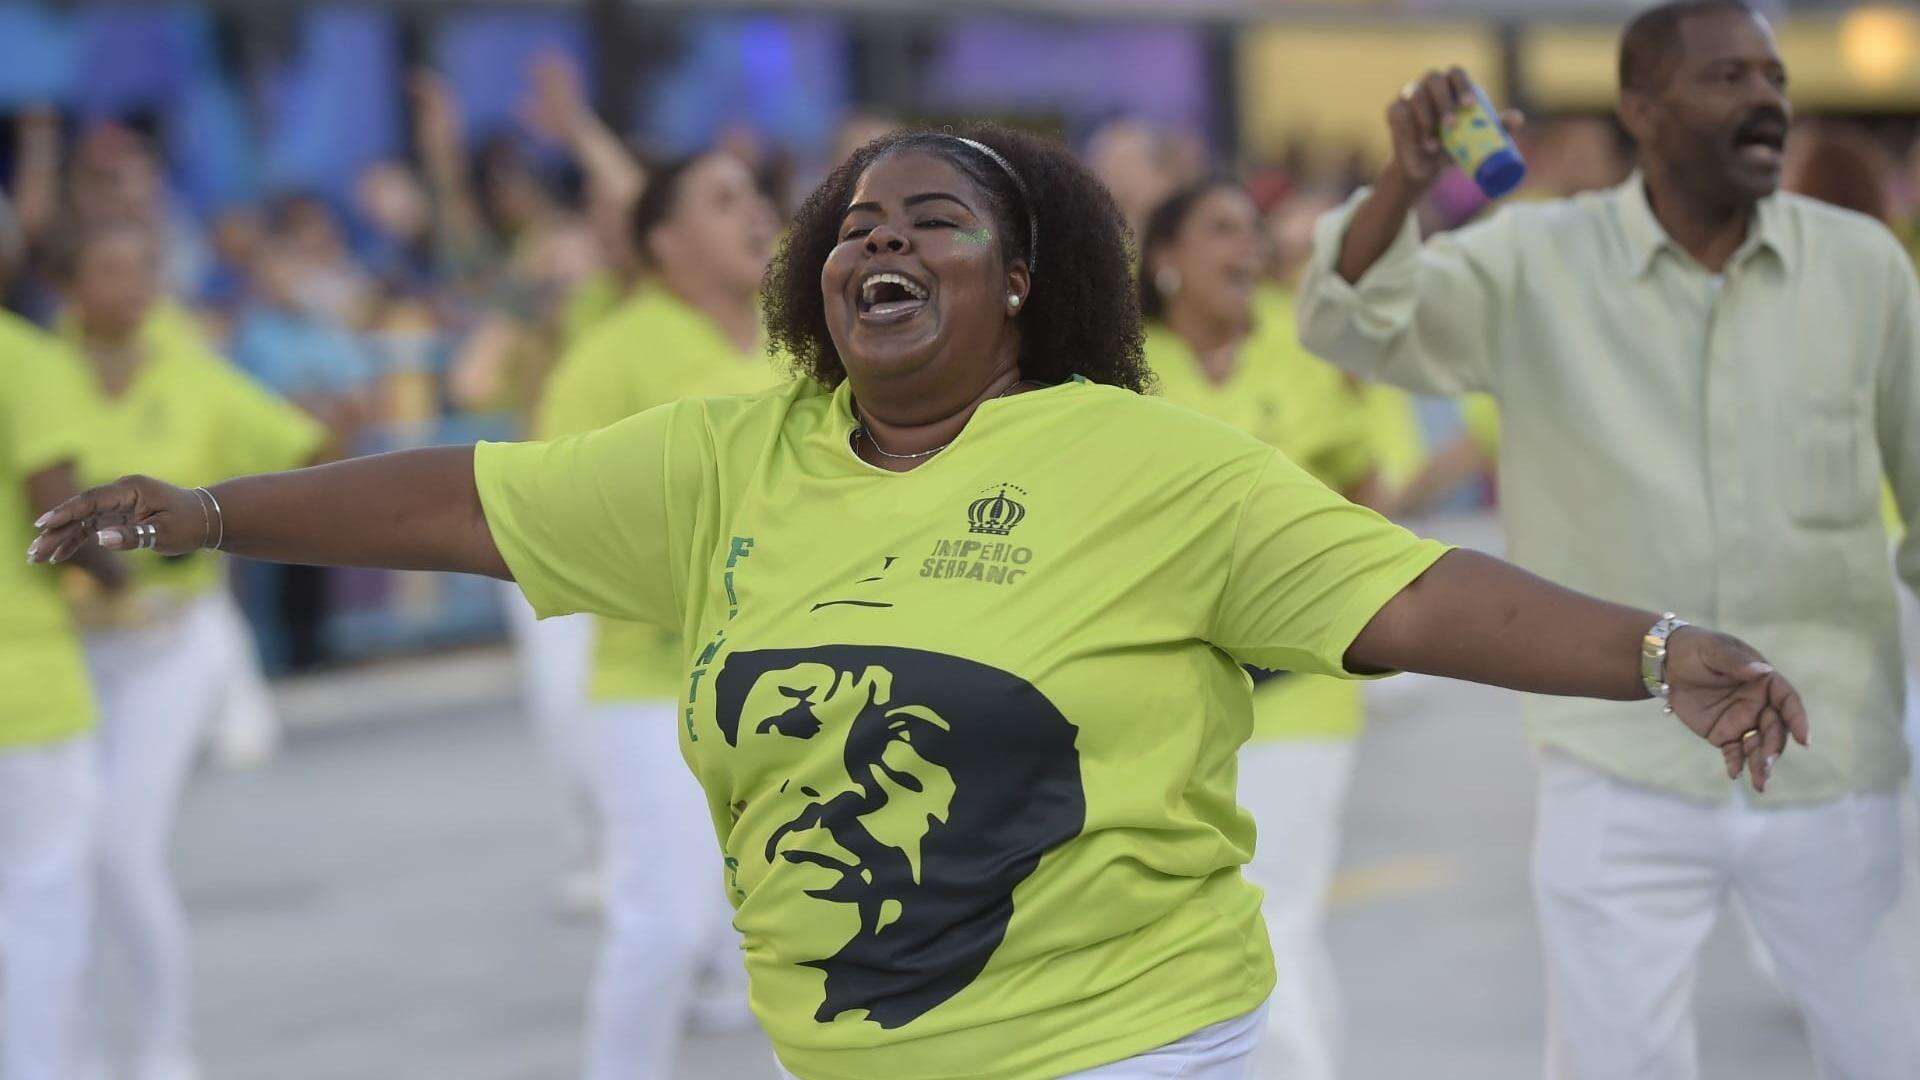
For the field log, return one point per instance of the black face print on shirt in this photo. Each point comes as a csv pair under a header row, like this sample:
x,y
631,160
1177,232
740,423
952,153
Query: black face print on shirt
x,y
951,780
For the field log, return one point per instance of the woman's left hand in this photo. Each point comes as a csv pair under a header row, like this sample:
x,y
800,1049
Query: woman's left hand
x,y
1729,695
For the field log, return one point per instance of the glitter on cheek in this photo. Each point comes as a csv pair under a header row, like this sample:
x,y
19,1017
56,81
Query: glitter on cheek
x,y
981,237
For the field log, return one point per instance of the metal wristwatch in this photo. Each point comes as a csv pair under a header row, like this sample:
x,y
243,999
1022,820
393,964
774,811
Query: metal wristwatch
x,y
1653,655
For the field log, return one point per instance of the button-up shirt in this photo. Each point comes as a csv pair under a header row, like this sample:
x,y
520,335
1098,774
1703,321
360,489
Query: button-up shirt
x,y
1679,440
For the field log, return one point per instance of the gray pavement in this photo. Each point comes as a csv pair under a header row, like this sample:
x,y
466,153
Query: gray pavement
x,y
378,901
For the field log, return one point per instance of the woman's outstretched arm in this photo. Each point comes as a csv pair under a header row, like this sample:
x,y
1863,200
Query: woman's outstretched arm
x,y
408,510
1474,617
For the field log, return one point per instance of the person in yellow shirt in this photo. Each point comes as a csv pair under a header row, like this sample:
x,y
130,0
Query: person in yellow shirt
x,y
47,790
706,233
1471,455
962,619
162,656
1223,345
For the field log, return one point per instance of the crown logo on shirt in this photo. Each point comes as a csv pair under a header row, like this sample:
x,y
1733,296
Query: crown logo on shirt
x,y
996,514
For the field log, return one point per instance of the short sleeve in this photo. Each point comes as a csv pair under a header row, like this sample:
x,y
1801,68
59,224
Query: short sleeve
x,y
48,402
586,522
1347,455
1348,462
586,392
262,432
1308,571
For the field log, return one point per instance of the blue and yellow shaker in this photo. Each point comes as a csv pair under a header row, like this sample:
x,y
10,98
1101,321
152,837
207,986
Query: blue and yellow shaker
x,y
1478,142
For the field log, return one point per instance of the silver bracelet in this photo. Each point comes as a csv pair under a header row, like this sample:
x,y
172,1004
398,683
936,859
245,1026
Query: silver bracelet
x,y
206,516
1653,656
217,513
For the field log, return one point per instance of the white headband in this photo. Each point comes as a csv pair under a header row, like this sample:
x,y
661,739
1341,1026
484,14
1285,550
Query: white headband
x,y
1033,218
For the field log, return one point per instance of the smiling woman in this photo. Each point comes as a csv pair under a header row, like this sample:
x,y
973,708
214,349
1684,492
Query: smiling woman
x,y
971,827
967,220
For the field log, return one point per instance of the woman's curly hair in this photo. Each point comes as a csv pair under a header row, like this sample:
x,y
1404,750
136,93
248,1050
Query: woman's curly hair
x,y
1080,317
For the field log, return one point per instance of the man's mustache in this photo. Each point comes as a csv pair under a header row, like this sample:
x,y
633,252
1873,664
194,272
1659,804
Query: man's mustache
x,y
1767,123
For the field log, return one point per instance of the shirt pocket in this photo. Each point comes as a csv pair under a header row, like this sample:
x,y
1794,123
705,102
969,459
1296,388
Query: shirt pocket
x,y
1827,477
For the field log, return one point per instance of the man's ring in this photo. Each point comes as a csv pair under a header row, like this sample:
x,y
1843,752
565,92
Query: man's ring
x,y
145,535
1754,734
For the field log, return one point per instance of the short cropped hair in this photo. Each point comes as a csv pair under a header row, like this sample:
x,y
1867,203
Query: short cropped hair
x,y
1651,44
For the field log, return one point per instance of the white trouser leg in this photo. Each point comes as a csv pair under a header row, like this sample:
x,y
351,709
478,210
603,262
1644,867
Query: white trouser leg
x,y
246,729
1910,641
1821,883
1296,790
1911,722
1628,883
47,798
158,687
555,659
664,898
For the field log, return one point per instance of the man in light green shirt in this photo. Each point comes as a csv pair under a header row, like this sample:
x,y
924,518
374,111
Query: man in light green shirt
x,y
1701,381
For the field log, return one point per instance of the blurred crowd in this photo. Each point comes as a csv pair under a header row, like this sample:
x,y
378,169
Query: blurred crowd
x,y
431,305
435,300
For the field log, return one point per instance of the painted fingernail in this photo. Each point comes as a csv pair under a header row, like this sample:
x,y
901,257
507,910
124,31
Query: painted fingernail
x,y
109,537
1760,668
41,521
1771,758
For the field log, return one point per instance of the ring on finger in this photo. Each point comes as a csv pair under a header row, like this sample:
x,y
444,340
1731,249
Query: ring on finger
x,y
145,536
1754,734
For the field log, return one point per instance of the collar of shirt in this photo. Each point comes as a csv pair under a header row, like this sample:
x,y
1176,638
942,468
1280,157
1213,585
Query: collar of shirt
x,y
1646,238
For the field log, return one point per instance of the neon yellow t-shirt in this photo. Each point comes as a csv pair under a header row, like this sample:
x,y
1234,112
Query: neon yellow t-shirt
x,y
190,418
653,350
44,404
1288,398
968,734
1480,414
174,326
1393,425
594,299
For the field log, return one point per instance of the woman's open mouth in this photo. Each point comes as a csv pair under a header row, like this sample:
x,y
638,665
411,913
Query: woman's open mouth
x,y
890,297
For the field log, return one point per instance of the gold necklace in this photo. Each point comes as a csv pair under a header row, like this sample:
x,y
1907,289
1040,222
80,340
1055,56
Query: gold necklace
x,y
860,429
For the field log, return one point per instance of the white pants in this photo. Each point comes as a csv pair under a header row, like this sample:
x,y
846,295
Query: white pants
x,y
667,916
46,817
1296,790
1222,1051
159,687
246,730
1912,725
1910,641
1629,882
555,657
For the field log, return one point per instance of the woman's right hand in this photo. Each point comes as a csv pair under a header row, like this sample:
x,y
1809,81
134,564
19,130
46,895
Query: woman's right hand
x,y
184,521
